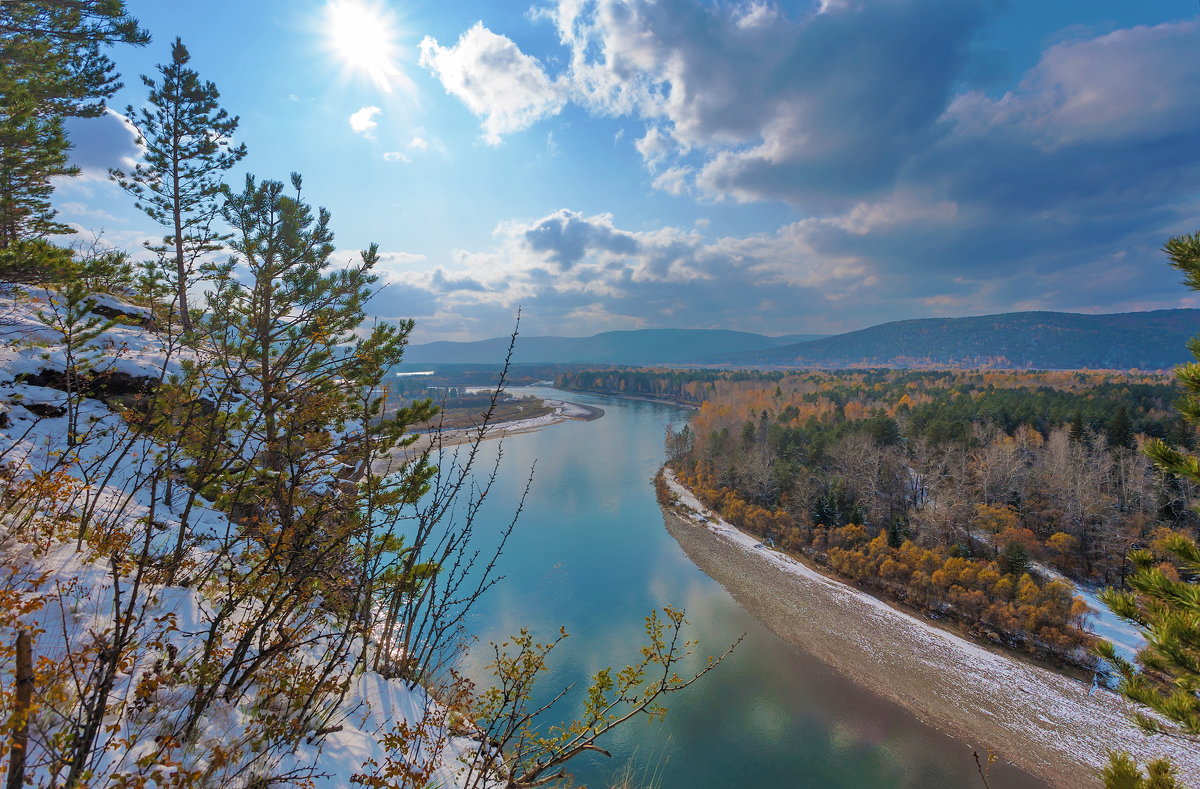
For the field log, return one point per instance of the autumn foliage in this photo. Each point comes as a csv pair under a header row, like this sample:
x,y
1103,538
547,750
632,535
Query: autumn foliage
x,y
1044,618
971,496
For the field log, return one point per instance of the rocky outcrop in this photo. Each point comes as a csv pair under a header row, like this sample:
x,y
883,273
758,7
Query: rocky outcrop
x,y
113,387
120,316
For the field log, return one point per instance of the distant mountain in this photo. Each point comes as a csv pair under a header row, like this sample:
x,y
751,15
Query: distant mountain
x,y
644,346
1040,340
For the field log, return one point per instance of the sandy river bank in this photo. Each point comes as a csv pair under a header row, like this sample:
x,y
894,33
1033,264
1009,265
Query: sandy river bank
x,y
563,411
1040,720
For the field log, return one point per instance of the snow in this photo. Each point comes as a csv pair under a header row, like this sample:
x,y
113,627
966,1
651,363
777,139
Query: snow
x,y
570,410
1039,706
120,305
1125,638
109,473
562,412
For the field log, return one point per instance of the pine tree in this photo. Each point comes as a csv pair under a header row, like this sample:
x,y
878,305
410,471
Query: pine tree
x,y
53,68
1123,772
1165,606
1181,434
186,138
1120,429
1078,428
1014,559
290,330
290,352
70,315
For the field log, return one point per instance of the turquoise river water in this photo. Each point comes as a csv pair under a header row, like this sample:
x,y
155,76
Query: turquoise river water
x,y
590,553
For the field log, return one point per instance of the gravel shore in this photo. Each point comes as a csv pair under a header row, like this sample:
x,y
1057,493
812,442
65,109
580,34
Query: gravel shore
x,y
563,411
1042,721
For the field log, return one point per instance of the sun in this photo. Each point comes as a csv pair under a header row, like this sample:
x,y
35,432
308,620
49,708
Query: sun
x,y
363,36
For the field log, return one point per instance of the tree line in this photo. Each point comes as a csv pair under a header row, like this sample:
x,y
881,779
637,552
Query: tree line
x,y
967,495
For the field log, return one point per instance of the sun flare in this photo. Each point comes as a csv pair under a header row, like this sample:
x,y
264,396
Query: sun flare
x,y
362,35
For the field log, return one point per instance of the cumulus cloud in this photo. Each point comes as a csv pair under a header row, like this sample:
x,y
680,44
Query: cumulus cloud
x,y
1077,163
565,237
97,144
674,180
654,146
854,115
800,108
1125,86
589,273
755,15
442,282
919,195
823,108
570,271
393,265
498,82
363,121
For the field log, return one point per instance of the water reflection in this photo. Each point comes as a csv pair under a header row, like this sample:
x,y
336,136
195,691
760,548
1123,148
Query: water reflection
x,y
591,553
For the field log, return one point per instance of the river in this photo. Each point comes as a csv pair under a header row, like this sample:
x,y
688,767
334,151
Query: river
x,y
590,553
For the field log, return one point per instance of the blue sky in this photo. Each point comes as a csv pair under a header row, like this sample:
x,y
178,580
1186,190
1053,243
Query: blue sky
x,y
770,167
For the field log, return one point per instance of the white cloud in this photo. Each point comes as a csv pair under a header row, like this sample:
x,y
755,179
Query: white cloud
x,y
654,146
1055,194
82,209
828,6
417,145
97,144
675,180
586,272
399,266
756,15
363,121
887,260
400,261
897,210
1128,84
497,82
804,106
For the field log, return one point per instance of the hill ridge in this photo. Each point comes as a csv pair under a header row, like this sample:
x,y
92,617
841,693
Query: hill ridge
x,y
618,346
1029,339
1033,339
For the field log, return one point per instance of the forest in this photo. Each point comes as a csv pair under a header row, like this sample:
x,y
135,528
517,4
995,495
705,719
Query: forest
x,y
971,496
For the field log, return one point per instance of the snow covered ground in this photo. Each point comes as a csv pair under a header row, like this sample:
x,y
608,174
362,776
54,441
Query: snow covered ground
x,y
69,589
573,410
1104,623
1045,722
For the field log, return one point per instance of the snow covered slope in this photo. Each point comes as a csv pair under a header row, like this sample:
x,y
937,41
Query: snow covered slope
x,y
87,532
